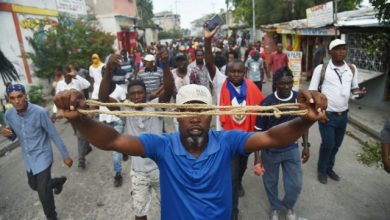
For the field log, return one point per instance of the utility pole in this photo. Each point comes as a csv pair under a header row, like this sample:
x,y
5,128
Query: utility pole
x,y
335,16
254,22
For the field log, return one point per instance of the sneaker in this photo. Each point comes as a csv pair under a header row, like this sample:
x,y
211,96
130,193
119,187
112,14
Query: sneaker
x,y
323,178
61,182
118,180
333,175
274,215
81,164
290,215
241,191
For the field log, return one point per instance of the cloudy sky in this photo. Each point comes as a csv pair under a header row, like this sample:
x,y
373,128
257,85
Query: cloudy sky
x,y
188,10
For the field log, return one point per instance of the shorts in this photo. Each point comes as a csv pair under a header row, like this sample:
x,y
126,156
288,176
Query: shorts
x,y
142,184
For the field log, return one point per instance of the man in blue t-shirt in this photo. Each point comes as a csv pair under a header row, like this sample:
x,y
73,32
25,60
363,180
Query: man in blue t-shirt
x,y
287,157
194,162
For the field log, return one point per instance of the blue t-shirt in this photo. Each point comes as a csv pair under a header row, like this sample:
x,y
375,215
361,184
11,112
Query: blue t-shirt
x,y
195,188
264,123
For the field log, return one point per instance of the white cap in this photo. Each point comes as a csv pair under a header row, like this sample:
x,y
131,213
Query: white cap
x,y
193,92
336,42
149,57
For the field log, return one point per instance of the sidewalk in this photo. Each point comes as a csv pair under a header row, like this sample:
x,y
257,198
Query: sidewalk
x,y
368,119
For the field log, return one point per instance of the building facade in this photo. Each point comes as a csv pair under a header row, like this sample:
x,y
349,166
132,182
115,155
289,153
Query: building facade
x,y
167,20
118,17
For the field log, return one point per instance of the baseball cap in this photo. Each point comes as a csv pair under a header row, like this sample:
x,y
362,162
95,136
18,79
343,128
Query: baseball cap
x,y
149,57
336,42
193,92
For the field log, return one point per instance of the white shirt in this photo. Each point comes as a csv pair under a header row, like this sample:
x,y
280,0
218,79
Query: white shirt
x,y
336,89
119,94
217,82
180,81
140,125
96,74
78,83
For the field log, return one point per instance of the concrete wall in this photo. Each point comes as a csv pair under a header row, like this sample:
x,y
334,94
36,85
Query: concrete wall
x,y
100,7
10,47
167,21
375,94
125,7
151,35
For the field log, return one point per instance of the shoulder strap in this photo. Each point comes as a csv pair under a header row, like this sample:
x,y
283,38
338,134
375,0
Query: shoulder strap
x,y
352,67
322,76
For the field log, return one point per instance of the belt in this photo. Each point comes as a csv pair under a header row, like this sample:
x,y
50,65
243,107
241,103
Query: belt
x,y
338,113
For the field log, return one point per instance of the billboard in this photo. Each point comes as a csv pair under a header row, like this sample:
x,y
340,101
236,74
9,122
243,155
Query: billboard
x,y
320,15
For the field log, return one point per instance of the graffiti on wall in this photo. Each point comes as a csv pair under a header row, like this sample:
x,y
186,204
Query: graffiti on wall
x,y
33,23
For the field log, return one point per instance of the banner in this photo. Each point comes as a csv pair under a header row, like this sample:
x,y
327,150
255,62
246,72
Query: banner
x,y
295,64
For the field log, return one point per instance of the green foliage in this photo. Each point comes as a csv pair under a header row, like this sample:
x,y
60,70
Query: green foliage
x,y
276,11
172,34
35,95
145,11
372,42
383,7
371,155
66,42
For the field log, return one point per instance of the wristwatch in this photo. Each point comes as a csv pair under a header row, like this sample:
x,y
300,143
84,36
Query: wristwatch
x,y
303,144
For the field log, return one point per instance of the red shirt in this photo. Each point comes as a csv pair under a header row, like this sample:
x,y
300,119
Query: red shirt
x,y
191,51
277,61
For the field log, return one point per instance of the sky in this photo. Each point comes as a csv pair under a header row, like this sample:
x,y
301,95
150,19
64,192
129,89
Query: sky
x,y
189,10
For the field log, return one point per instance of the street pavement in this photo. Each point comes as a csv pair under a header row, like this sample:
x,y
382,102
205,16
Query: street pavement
x,y
362,193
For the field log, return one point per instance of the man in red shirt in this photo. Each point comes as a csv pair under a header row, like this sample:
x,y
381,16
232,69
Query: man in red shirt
x,y
278,60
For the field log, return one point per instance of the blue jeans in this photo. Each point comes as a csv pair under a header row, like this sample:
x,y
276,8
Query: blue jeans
x,y
290,162
332,135
116,156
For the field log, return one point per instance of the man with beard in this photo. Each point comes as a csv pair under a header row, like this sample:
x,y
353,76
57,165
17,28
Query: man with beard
x,y
144,172
233,90
194,163
287,157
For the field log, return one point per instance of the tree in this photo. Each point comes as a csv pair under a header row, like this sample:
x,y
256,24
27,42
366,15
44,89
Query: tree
x,y
145,12
65,42
172,34
276,11
383,7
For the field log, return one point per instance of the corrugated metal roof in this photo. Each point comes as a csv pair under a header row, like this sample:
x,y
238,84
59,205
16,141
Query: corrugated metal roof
x,y
362,17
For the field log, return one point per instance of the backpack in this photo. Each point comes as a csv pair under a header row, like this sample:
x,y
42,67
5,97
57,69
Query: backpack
x,y
323,70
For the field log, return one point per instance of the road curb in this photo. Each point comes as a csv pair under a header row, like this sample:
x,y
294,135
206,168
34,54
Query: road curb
x,y
364,127
9,147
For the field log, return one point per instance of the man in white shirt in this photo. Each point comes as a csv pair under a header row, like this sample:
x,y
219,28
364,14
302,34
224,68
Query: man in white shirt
x,y
74,81
339,80
117,95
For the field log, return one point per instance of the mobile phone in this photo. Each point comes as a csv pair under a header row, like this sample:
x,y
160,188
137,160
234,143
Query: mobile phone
x,y
214,22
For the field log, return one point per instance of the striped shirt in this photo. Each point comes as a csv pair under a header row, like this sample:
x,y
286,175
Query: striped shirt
x,y
152,79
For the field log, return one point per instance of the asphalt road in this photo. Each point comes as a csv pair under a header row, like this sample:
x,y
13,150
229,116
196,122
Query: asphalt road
x,y
363,192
